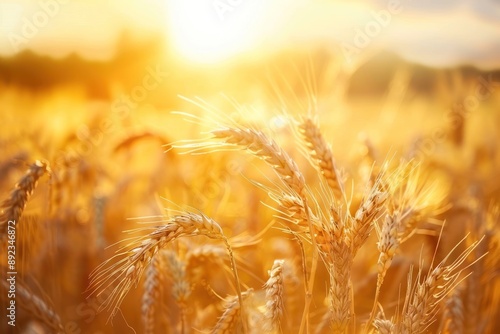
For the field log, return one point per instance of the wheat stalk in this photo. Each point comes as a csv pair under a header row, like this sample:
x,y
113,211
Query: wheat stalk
x,y
411,199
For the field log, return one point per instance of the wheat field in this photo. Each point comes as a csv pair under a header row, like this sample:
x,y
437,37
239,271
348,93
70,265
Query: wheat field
x,y
308,198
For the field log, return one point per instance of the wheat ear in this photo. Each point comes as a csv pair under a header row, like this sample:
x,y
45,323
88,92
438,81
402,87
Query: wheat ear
x,y
340,274
423,299
321,155
453,315
384,326
413,197
363,220
152,293
137,255
260,145
13,207
387,246
181,289
38,307
274,297
228,322
291,209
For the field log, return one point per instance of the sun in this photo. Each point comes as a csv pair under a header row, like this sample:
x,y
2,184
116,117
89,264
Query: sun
x,y
214,30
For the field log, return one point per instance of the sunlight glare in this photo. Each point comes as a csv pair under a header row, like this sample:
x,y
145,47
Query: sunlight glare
x,y
212,31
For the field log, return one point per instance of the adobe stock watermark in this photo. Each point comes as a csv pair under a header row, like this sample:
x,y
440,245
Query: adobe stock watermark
x,y
222,7
86,312
484,89
30,26
217,183
364,36
121,109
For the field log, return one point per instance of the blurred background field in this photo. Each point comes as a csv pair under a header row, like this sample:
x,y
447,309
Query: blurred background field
x,y
90,87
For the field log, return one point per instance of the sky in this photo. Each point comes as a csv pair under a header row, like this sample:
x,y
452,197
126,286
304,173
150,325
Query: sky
x,y
90,28
441,33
